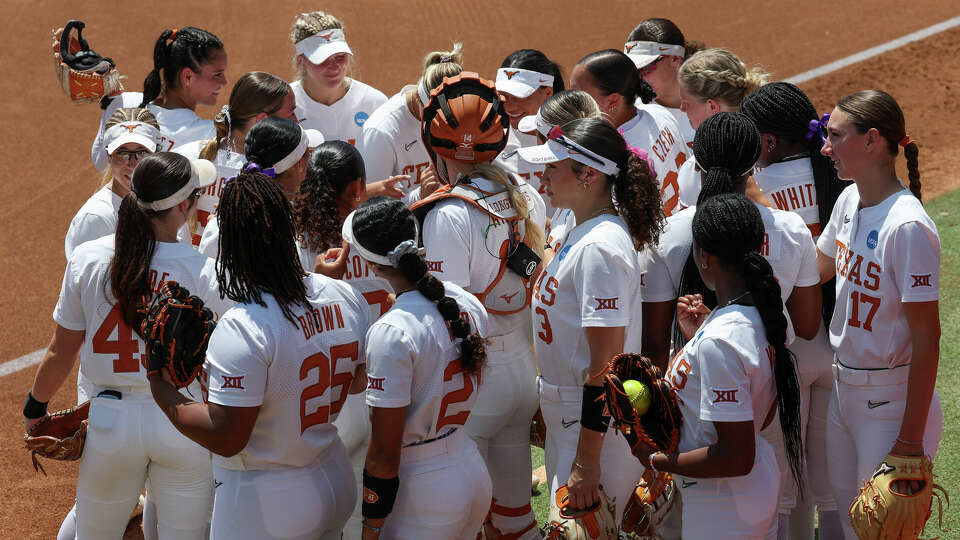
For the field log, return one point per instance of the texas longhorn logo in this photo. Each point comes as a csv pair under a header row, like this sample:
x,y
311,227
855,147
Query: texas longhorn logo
x,y
130,127
508,297
327,36
629,47
510,74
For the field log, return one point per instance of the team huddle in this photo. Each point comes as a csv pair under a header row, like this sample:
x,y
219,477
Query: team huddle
x,y
404,286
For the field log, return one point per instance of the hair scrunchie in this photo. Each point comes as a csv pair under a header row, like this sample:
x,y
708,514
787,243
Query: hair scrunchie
x,y
254,168
403,248
173,36
642,154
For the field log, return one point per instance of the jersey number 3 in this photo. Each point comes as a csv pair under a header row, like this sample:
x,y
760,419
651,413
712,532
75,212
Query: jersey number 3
x,y
327,376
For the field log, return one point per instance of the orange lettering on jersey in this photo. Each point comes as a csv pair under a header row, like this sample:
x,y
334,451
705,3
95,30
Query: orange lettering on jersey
x,y
854,273
922,280
873,276
606,303
375,383
725,396
765,247
318,321
154,284
232,382
549,295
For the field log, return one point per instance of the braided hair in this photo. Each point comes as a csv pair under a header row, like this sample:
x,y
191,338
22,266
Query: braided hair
x,y
877,109
784,111
729,227
380,225
316,213
174,51
256,227
614,72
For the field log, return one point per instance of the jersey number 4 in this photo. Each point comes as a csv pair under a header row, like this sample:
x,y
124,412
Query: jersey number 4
x,y
125,346
327,376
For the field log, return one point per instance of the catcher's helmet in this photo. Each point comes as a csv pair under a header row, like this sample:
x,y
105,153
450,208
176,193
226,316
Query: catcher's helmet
x,y
464,120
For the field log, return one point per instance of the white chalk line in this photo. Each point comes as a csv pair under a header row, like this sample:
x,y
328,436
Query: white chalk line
x,y
33,358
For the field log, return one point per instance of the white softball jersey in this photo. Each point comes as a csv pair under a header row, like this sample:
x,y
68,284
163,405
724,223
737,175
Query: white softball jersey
x,y
655,130
228,165
375,290
686,129
298,374
96,218
112,353
562,222
787,246
413,361
689,182
885,255
510,161
790,186
177,126
592,281
342,120
463,244
390,143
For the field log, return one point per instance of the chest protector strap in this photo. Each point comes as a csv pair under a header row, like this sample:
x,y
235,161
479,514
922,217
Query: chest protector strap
x,y
509,292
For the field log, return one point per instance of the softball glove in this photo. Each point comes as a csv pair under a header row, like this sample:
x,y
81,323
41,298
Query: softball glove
x,y
84,75
58,436
659,428
594,523
650,504
176,330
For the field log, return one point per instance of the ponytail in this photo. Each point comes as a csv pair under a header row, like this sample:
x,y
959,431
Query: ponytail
x,y
212,147
533,235
911,151
614,72
134,246
151,84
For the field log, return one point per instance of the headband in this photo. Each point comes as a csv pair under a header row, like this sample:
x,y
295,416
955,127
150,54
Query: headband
x,y
309,138
423,94
392,258
559,147
521,82
202,174
652,48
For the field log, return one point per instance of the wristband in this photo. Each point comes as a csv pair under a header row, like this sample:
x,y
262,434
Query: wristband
x,y
379,494
909,443
591,409
34,409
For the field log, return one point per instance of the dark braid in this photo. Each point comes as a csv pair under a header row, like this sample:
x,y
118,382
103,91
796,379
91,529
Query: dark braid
x,y
316,213
784,111
381,224
729,227
257,252
726,147
190,48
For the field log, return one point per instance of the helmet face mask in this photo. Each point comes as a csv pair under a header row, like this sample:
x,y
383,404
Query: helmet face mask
x,y
464,120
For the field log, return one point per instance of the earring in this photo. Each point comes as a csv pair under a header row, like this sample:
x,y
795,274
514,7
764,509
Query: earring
x,y
703,266
584,183
770,147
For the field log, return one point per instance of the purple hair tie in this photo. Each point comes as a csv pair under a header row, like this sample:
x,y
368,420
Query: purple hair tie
x,y
818,128
254,168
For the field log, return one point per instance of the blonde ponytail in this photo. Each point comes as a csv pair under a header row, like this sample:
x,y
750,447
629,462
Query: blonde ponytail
x,y
533,235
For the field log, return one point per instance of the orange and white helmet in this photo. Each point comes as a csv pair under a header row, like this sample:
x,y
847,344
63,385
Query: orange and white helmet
x,y
464,120
594,523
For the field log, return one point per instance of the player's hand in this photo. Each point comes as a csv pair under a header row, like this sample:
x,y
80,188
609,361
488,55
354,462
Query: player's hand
x,y
906,487
691,312
583,484
388,187
30,422
370,534
333,262
429,182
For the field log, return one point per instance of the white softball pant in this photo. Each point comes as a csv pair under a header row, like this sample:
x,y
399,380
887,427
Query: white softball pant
x,y
735,508
291,503
353,426
130,440
500,426
444,491
866,412
620,470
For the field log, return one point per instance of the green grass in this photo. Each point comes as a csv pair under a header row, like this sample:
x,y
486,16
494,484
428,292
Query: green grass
x,y
945,211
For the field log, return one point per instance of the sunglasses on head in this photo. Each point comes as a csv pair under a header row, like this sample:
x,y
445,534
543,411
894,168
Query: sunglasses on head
x,y
127,155
557,135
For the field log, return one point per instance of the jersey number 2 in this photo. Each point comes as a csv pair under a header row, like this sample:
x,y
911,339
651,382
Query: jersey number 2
x,y
125,346
327,376
456,396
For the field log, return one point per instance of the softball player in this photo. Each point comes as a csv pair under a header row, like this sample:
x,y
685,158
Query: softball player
x,y
485,233
525,80
328,100
711,81
658,48
128,440
585,305
797,178
278,148
390,139
612,79
731,378
423,477
279,366
885,252
255,96
189,66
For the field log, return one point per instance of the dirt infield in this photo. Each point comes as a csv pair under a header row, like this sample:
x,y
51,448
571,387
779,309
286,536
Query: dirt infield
x,y
49,139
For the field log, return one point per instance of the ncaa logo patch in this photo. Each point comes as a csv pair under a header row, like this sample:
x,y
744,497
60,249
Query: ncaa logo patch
x,y
360,118
872,239
563,252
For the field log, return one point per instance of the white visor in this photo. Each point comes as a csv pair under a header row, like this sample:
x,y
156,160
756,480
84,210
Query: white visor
x,y
561,148
323,45
309,138
521,82
534,122
143,134
202,174
644,52
347,233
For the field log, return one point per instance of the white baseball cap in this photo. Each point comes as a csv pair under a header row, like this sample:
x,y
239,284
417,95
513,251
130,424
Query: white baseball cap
x,y
323,45
202,174
644,52
534,122
137,132
521,82
560,147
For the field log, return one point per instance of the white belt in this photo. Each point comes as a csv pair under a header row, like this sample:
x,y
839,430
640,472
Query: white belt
x,y
870,377
451,444
506,343
563,394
